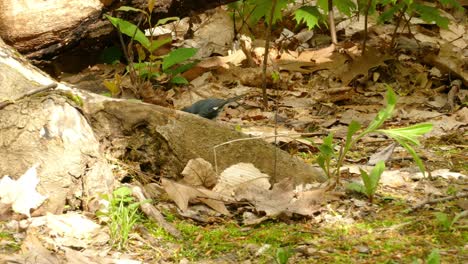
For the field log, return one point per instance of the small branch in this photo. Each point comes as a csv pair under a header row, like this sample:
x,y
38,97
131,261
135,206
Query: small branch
x,y
438,200
331,20
28,93
266,55
252,138
366,16
153,213
400,17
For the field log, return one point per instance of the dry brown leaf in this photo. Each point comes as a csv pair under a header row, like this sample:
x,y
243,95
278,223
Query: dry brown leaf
x,y
350,115
182,194
199,172
362,65
239,176
384,154
32,249
283,200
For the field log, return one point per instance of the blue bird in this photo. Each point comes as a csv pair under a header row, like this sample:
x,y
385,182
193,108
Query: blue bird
x,y
209,108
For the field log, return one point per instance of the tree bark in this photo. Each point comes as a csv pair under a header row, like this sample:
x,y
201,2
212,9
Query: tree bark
x,y
75,136
43,29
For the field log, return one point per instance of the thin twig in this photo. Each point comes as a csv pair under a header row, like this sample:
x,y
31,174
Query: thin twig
x,y
438,200
28,93
252,138
400,17
331,20
366,16
266,55
153,213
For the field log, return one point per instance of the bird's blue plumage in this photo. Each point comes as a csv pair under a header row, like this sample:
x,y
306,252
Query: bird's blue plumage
x,y
209,108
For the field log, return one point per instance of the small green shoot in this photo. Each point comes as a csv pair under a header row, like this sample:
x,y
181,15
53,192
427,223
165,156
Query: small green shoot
x,y
371,181
149,67
121,215
406,137
434,257
445,222
326,154
283,255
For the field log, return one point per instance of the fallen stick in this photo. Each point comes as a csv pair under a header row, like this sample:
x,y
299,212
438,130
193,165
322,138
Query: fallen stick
x,y
154,213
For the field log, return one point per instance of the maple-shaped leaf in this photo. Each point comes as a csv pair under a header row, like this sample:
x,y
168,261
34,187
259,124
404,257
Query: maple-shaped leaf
x,y
263,9
308,14
345,6
431,15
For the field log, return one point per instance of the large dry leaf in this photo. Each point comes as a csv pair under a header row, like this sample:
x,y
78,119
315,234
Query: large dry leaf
x,y
384,154
32,251
199,172
63,232
182,194
21,194
362,65
241,176
309,62
283,200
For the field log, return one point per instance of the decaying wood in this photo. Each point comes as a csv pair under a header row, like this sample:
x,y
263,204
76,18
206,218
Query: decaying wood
x,y
164,140
46,129
70,132
43,29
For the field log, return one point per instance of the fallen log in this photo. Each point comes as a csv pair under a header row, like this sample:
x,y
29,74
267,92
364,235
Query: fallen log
x,y
72,134
43,29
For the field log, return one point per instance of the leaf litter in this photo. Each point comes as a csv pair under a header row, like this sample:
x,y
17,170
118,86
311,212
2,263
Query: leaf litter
x,y
323,90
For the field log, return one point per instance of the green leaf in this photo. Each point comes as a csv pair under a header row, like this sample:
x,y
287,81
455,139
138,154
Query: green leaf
x,y
375,175
367,182
283,255
130,9
453,3
326,152
323,4
181,68
263,9
383,114
167,20
408,134
130,30
308,14
321,162
345,6
443,220
388,14
353,127
156,44
147,69
326,148
122,192
391,97
413,153
356,187
329,139
434,257
431,15
179,80
177,56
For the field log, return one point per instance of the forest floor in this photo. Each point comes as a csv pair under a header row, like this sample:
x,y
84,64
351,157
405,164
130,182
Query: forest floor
x,y
405,223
